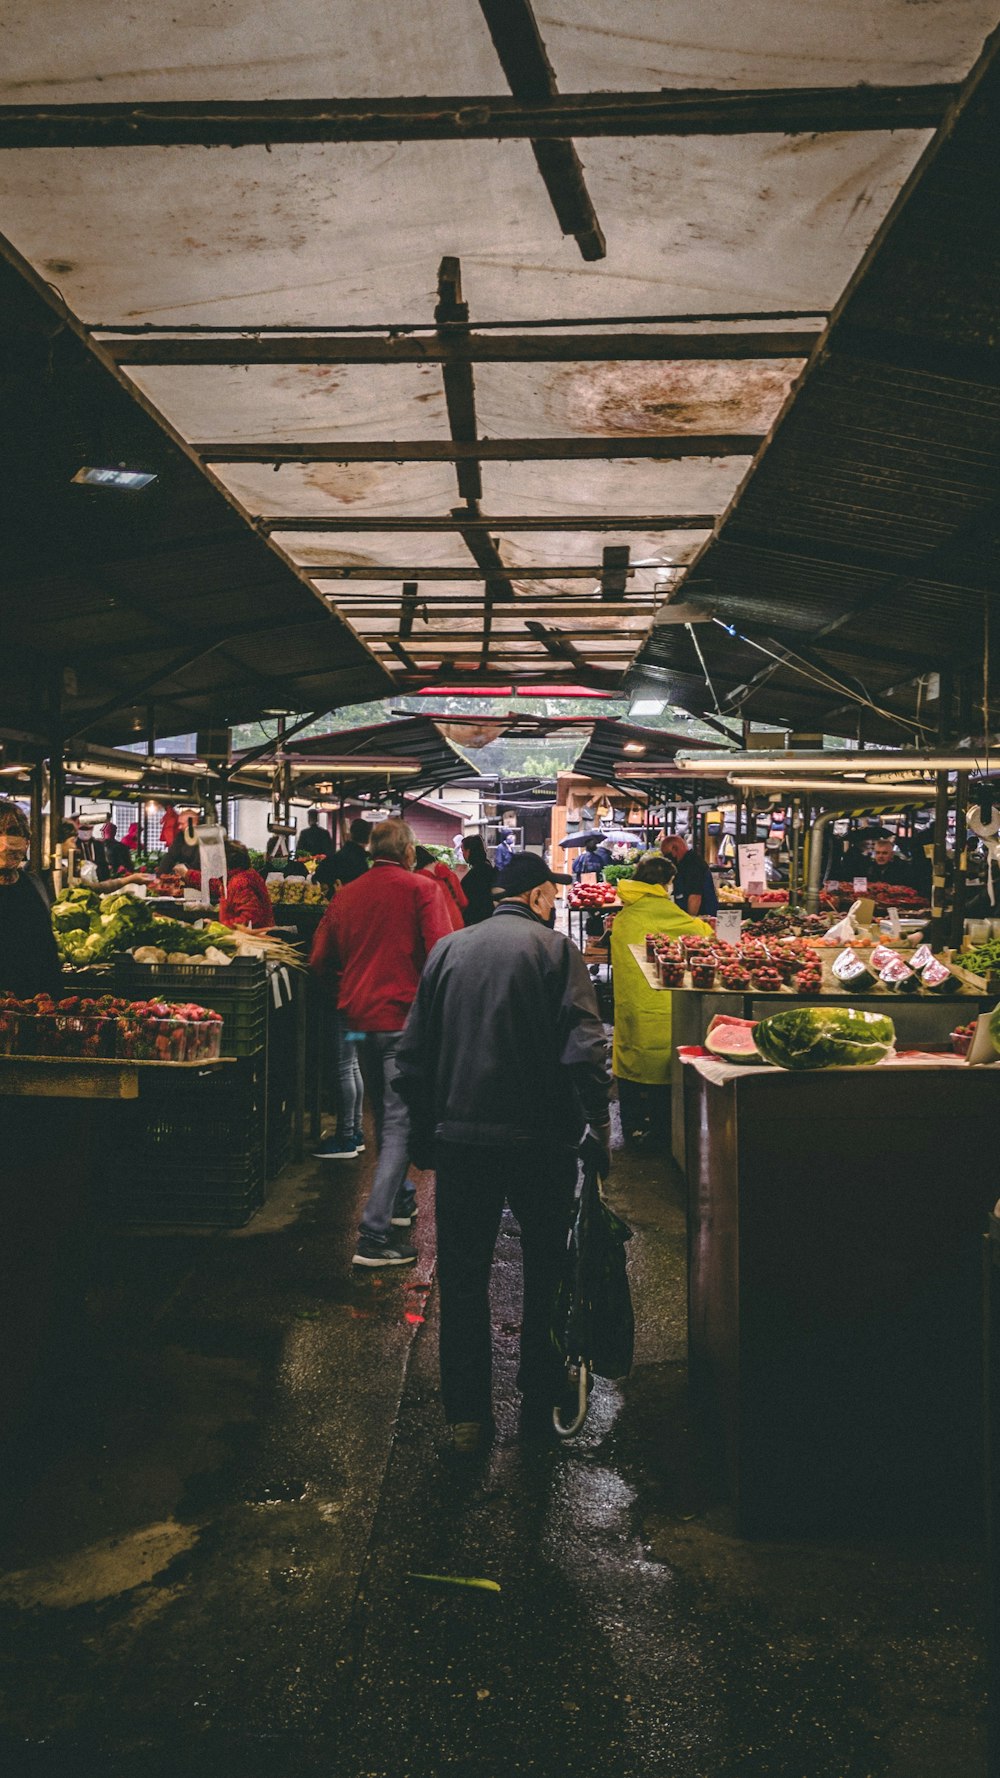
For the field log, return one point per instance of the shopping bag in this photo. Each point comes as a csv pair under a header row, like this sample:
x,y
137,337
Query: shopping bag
x,y
593,1320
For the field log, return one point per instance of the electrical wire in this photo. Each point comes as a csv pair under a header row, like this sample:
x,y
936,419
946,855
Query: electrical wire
x,y
806,671
690,630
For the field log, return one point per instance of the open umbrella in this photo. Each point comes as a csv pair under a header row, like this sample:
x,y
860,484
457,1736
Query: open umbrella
x,y
580,839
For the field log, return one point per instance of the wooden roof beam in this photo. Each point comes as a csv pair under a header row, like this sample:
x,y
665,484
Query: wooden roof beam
x,y
349,571
691,111
452,319
569,521
485,553
668,446
461,347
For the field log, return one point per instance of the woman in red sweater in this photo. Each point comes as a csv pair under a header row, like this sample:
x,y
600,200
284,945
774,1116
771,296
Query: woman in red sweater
x,y
244,900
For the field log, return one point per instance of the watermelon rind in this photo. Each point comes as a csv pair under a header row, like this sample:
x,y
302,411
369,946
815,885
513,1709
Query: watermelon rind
x,y
825,1037
716,1044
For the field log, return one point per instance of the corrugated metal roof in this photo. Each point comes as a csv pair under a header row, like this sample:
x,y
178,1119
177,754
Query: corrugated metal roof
x,y
868,533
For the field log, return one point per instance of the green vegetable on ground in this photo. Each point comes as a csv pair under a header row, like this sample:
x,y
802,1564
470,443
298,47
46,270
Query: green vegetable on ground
x,y
824,1037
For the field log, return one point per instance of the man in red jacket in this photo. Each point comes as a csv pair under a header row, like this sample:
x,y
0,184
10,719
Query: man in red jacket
x,y
370,947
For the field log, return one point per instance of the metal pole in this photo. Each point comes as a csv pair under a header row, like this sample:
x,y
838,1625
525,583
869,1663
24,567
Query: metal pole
x,y
939,877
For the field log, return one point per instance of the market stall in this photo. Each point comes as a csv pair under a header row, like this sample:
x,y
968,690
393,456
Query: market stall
x,y
834,1258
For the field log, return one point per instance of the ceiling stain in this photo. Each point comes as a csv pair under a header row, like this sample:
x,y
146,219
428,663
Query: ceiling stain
x,y
695,396
347,483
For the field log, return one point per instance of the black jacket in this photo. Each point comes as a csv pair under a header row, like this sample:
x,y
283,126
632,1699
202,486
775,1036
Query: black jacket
x,y
504,1043
478,884
344,866
29,960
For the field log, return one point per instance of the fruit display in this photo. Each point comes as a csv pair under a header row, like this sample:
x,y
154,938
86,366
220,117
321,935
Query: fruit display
x,y
961,1037
167,888
776,924
811,1037
108,1028
158,1031
297,892
730,895
592,895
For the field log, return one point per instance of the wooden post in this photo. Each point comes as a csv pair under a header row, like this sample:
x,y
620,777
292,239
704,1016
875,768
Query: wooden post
x,y
36,852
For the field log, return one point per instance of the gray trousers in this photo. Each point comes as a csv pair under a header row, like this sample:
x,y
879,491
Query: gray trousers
x,y
392,1131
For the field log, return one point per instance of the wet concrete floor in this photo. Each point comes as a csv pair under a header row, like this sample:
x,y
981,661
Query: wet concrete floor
x,y
217,1502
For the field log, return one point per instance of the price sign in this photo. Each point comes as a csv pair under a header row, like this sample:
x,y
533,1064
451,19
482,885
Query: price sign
x,y
861,885
752,868
728,924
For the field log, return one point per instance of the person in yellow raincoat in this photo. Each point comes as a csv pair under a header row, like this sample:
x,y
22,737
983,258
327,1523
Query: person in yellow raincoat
x,y
641,1053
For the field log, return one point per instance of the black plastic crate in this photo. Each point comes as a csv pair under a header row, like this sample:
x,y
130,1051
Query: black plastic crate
x,y
237,990
192,1147
202,1210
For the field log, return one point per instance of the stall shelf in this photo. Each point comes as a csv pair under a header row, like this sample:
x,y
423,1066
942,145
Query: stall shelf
x,y
834,1304
923,1019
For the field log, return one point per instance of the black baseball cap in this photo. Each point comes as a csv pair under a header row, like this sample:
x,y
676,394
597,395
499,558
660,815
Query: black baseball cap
x,y
526,871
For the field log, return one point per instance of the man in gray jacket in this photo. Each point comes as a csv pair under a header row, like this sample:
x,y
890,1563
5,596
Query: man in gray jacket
x,y
503,1065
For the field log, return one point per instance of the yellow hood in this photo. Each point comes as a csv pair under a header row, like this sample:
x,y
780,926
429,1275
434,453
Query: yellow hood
x,y
629,890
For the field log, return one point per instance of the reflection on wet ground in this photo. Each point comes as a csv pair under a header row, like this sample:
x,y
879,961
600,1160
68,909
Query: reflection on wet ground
x,y
235,1467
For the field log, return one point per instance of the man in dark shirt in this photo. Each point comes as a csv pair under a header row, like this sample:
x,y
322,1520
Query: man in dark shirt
x,y
314,841
503,1066
350,862
29,961
888,867
693,887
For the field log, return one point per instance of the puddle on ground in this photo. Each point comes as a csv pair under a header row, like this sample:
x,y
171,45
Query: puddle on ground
x,y
101,1571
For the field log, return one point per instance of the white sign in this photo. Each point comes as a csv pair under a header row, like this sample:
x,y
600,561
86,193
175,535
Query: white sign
x,y
211,855
861,885
752,868
728,923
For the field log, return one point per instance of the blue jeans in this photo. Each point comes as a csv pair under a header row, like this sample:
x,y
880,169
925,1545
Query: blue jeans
x,y
350,1086
392,1131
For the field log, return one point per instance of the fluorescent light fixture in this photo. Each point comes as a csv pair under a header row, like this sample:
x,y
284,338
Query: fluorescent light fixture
x,y
635,747
647,707
865,791
130,479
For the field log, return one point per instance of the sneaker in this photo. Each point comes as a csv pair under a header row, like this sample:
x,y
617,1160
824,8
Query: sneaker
x,y
335,1150
404,1213
375,1251
359,1141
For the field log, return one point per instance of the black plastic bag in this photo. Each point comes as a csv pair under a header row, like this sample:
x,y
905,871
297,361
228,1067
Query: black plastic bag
x,y
593,1320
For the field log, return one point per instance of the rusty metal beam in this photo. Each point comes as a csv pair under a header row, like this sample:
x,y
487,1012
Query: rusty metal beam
x,y
690,111
567,521
465,347
669,446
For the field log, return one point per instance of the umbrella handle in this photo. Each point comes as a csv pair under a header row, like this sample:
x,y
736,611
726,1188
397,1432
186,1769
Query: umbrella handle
x,y
583,1396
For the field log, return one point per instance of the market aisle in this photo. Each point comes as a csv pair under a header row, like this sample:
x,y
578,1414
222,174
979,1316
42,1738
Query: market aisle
x,y
213,1559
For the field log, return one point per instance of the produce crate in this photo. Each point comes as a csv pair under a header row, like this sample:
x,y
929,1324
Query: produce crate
x,y
193,1148
237,990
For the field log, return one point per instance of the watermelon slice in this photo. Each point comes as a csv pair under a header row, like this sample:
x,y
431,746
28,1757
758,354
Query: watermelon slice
x,y
732,1039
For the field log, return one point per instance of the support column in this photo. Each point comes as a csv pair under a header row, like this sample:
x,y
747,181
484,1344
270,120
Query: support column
x,y
939,895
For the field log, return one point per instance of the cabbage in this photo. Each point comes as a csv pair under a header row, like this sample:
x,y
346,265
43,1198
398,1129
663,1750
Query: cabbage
x,y
825,1037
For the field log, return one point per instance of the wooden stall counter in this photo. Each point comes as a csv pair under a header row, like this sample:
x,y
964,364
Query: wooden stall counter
x,y
834,1249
